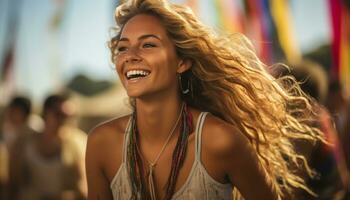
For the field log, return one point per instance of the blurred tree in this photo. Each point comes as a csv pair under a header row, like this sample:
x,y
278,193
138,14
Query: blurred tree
x,y
321,55
87,86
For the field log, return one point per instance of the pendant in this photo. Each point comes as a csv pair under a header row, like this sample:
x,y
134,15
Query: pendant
x,y
151,183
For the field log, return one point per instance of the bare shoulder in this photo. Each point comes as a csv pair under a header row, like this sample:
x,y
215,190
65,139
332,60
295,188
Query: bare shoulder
x,y
107,136
112,128
224,148
104,156
221,138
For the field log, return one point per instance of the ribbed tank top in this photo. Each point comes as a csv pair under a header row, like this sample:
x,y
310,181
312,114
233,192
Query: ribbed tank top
x,y
199,184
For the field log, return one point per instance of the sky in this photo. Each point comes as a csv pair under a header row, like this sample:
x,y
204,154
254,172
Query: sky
x,y
46,58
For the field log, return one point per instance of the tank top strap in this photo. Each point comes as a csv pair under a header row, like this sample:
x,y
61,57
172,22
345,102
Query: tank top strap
x,y
126,139
198,135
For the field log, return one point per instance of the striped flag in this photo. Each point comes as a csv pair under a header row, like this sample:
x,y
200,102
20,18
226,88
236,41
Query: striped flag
x,y
254,19
7,76
340,16
7,65
258,22
7,81
284,25
229,15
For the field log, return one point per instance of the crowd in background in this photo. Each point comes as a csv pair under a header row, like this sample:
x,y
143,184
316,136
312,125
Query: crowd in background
x,y
43,159
42,152
331,162
44,163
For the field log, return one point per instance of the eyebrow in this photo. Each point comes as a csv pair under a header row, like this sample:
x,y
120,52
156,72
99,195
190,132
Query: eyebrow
x,y
141,37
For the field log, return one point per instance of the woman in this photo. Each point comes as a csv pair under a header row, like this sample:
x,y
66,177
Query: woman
x,y
173,69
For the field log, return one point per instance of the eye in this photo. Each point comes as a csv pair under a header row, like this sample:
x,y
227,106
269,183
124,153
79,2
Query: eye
x,y
122,49
148,45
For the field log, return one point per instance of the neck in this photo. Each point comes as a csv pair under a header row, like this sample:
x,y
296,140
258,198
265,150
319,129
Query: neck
x,y
155,120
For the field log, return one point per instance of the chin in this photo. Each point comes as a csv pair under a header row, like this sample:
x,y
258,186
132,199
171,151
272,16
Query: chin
x,y
135,94
140,94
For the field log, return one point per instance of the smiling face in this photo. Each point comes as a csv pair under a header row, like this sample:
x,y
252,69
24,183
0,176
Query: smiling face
x,y
146,57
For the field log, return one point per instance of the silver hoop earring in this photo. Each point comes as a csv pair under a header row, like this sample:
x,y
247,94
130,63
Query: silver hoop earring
x,y
183,89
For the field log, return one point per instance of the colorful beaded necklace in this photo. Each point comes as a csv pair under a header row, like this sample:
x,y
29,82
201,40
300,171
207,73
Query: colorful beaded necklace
x,y
136,162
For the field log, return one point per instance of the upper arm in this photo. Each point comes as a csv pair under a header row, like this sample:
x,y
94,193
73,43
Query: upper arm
x,y
98,184
246,172
240,163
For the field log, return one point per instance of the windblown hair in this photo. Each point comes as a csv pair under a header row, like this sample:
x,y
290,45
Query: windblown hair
x,y
230,81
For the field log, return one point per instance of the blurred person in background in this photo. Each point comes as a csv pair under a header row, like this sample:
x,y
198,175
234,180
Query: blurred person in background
x,y
4,170
52,162
14,131
326,160
16,120
208,119
4,160
339,107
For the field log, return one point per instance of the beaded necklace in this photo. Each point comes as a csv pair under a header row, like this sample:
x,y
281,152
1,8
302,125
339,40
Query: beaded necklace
x,y
136,162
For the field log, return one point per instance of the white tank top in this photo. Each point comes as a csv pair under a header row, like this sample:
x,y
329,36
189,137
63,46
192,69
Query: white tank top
x,y
199,184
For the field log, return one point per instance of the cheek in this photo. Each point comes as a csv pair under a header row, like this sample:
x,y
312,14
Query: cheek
x,y
119,73
118,69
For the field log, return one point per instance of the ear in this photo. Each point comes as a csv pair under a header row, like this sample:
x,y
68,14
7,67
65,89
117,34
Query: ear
x,y
184,65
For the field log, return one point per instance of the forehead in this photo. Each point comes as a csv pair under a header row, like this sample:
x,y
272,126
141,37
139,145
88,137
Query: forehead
x,y
143,24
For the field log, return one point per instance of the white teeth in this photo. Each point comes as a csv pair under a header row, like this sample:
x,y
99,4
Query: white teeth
x,y
136,72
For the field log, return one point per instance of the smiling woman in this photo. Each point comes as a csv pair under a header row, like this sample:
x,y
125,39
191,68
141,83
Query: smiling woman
x,y
146,58
208,121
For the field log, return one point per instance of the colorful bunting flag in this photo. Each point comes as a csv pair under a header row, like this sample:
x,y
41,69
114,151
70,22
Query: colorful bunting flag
x,y
340,41
229,15
7,76
284,25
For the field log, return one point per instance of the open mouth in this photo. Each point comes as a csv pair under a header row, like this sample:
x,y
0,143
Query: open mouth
x,y
137,74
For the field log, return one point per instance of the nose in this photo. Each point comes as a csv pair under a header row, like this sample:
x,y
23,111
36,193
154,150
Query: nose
x,y
132,56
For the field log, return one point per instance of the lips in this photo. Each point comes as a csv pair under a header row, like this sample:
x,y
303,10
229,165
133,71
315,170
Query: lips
x,y
136,74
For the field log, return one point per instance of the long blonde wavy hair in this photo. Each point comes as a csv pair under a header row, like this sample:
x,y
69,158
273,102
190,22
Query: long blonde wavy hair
x,y
230,81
